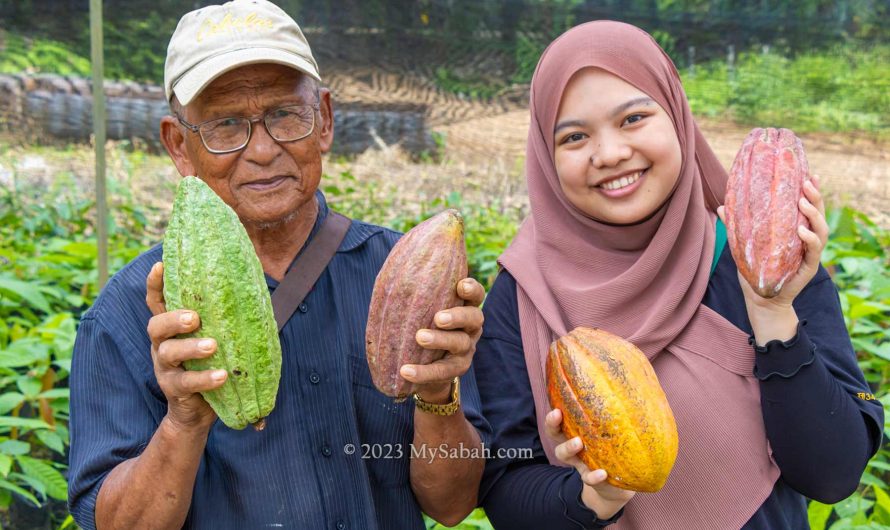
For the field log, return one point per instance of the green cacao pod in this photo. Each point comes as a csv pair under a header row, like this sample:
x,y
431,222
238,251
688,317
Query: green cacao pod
x,y
610,396
418,279
211,267
762,213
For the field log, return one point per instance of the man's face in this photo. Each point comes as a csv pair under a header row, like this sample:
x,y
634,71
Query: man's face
x,y
266,182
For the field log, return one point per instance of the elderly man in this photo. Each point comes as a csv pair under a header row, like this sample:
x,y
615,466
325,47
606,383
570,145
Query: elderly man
x,y
250,119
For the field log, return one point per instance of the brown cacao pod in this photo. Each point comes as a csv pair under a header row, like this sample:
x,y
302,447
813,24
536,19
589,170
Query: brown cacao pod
x,y
417,280
609,395
762,213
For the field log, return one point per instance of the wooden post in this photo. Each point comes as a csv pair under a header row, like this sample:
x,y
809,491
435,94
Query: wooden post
x,y
98,60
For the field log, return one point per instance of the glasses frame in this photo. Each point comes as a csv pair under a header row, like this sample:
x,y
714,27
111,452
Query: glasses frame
x,y
196,128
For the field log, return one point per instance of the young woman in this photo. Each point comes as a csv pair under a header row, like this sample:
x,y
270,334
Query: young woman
x,y
624,195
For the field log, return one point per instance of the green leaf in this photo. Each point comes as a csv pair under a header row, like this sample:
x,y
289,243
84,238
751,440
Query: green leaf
x,y
5,464
15,447
55,393
24,291
7,485
23,352
30,386
849,507
882,506
52,440
9,401
818,514
25,423
64,364
55,483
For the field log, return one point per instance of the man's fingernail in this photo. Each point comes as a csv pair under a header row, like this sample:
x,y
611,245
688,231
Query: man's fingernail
x,y
218,375
409,371
576,443
444,318
186,318
206,344
424,336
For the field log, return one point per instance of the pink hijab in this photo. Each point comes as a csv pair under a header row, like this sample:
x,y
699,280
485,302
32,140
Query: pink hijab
x,y
645,283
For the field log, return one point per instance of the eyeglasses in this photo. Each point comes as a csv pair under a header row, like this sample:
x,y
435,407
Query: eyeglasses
x,y
227,135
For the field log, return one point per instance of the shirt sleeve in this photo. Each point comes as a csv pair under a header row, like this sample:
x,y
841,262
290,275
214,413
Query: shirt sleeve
x,y
520,489
112,416
821,419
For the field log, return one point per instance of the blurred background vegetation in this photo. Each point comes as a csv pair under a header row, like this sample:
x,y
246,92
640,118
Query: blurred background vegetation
x,y
815,66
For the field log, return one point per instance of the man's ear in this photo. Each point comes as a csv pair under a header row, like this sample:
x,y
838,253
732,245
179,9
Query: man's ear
x,y
326,125
173,138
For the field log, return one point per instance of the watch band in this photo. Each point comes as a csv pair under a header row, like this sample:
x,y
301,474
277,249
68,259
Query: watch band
x,y
446,409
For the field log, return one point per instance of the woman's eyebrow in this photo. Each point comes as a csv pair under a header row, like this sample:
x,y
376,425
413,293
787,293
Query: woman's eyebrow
x,y
644,100
568,123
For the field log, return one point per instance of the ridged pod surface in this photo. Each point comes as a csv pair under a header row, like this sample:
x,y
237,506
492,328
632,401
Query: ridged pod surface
x,y
211,267
609,395
418,279
762,213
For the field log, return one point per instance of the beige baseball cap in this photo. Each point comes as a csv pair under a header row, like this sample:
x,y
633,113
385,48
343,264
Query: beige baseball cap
x,y
210,41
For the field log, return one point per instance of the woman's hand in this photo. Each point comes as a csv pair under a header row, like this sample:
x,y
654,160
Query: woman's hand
x,y
774,318
597,494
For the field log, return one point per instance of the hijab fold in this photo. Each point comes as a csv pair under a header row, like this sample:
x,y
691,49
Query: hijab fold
x,y
645,283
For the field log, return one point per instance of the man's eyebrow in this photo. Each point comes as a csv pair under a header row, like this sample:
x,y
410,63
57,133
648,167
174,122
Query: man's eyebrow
x,y
643,100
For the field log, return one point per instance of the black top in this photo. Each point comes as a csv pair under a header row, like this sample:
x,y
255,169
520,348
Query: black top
x,y
821,420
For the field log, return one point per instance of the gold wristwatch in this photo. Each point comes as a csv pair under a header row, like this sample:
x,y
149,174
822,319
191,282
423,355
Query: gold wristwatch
x,y
445,409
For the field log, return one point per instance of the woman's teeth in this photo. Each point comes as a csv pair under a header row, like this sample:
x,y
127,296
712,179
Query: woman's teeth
x,y
617,184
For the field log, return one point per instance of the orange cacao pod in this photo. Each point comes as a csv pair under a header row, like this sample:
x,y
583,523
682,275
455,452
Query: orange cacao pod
x,y
762,213
418,279
609,395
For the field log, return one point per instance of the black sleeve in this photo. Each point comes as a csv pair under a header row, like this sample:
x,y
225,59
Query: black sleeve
x,y
820,423
820,417
520,489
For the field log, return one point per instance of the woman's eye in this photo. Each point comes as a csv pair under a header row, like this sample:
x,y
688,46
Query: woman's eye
x,y
574,137
633,118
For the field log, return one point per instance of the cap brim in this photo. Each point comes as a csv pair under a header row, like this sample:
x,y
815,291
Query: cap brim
x,y
196,79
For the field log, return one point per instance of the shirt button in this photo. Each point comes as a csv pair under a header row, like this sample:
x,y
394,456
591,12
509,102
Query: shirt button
x,y
313,378
325,450
341,525
303,307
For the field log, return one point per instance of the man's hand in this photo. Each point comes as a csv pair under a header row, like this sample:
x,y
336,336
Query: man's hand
x,y
186,409
459,329
597,494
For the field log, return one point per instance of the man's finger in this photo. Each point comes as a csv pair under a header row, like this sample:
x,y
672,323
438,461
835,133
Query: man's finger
x,y
172,352
445,369
468,318
185,383
154,289
470,291
456,342
170,324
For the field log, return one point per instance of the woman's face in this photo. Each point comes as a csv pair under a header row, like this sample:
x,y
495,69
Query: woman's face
x,y
616,152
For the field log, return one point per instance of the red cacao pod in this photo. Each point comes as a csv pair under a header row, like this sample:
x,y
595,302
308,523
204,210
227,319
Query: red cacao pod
x,y
762,213
418,279
609,395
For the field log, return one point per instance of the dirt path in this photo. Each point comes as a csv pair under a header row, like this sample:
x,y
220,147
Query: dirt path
x,y
853,172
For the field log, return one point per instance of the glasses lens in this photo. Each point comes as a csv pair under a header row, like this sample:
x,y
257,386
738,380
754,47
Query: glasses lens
x,y
225,134
291,123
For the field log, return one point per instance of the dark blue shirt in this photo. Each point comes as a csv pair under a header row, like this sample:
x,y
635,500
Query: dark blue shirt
x,y
296,473
822,434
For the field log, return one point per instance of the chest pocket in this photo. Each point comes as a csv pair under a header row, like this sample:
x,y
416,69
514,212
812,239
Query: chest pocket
x,y
386,429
